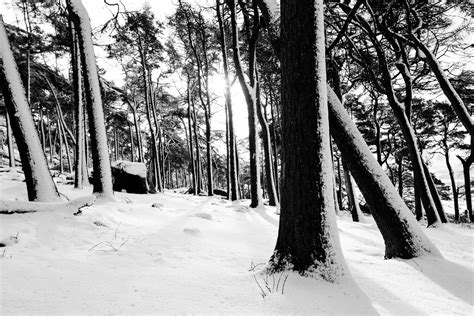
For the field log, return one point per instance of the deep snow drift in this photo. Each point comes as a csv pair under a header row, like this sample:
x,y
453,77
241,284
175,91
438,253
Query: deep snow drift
x,y
174,253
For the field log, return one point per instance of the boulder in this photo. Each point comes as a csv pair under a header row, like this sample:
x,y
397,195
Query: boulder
x,y
129,176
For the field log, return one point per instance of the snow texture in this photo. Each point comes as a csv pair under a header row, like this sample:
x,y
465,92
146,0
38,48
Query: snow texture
x,y
132,259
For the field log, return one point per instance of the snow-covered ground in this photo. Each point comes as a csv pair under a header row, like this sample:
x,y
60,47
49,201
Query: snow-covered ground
x,y
172,253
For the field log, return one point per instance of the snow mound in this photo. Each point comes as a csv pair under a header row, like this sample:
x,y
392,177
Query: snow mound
x,y
204,216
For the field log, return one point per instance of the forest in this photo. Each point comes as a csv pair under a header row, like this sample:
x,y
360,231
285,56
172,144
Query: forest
x,y
236,156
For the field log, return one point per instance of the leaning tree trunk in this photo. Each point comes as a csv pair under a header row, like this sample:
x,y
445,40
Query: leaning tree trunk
x,y
307,237
401,232
99,147
39,183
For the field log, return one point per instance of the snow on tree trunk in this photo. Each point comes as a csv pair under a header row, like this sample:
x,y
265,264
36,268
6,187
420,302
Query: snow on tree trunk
x,y
99,146
402,234
308,240
80,168
39,182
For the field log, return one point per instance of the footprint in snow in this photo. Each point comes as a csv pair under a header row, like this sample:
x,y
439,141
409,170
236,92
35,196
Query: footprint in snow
x,y
204,216
158,206
191,230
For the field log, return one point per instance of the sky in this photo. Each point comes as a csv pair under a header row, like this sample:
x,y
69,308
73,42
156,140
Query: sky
x,y
100,13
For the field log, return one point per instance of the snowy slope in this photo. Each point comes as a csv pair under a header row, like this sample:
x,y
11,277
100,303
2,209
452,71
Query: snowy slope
x,y
206,255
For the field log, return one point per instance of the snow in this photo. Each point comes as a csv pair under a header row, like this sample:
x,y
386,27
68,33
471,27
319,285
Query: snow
x,y
207,255
134,168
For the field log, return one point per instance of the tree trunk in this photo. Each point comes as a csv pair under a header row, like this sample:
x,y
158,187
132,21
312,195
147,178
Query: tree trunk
x,y
456,102
466,164
137,133
39,183
434,194
80,167
11,150
191,146
99,148
352,202
402,235
233,193
267,150
453,185
307,239
250,98
198,150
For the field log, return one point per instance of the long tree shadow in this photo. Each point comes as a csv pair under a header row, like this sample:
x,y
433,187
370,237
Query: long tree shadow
x,y
454,278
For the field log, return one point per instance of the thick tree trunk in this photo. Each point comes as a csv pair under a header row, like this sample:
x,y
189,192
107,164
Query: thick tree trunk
x,y
39,183
80,175
307,237
99,148
402,235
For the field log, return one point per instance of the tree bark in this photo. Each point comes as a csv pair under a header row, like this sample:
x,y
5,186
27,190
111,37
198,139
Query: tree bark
x,y
307,237
39,183
99,148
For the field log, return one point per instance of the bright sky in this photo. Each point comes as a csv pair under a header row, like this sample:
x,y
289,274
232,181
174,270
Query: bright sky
x,y
99,13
